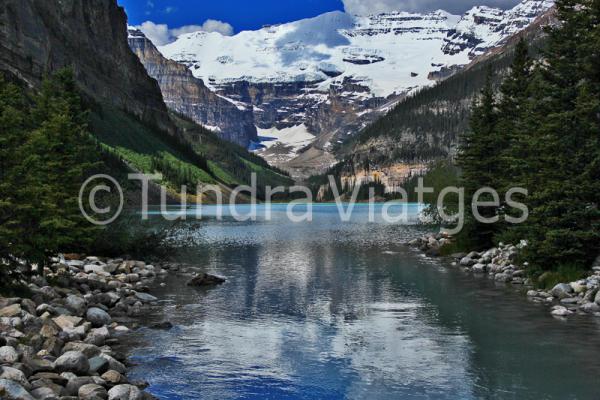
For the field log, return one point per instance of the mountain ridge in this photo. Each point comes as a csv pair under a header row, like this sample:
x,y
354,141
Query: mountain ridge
x,y
336,73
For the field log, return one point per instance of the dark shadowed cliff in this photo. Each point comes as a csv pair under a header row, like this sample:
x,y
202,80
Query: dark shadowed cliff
x,y
38,37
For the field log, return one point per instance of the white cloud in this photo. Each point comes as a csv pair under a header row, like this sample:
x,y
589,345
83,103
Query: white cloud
x,y
362,7
212,25
161,34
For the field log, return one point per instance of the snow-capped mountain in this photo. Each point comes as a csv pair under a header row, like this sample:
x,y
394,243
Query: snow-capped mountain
x,y
483,28
335,73
389,53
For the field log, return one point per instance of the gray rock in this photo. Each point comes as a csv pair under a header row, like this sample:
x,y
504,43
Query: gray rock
x,y
14,374
114,364
98,317
98,336
38,365
479,268
569,300
72,361
8,355
502,277
206,280
88,350
66,321
76,305
562,290
98,365
597,299
578,287
466,261
125,392
560,311
92,392
145,297
590,308
44,393
50,376
474,255
112,377
105,269
10,390
76,383
11,311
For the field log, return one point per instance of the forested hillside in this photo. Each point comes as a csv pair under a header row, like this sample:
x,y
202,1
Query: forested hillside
x,y
427,126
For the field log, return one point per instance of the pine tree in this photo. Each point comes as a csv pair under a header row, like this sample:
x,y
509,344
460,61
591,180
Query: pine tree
x,y
479,160
563,226
45,169
14,124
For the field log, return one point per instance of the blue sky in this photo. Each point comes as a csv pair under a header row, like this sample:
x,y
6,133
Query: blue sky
x,y
164,20
242,15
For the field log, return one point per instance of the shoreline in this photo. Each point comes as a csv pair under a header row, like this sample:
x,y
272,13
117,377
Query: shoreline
x,y
59,342
581,297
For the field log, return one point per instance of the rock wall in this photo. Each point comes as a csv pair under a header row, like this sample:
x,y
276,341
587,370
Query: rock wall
x,y
189,96
38,37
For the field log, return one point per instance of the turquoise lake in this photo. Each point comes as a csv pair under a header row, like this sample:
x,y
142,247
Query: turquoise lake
x,y
344,310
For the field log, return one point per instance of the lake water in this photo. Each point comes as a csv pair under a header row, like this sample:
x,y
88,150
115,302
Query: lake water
x,y
343,310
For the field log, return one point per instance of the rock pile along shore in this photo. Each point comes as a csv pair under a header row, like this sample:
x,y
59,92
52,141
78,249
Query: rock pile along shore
x,y
569,298
57,343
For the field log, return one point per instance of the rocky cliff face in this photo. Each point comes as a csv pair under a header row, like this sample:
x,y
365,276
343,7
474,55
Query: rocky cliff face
x,y
189,96
38,37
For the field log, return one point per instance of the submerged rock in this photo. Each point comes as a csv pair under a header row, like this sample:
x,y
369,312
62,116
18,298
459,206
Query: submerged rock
x,y
166,325
206,280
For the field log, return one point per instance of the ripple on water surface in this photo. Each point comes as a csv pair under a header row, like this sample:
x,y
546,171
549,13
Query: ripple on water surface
x,y
333,310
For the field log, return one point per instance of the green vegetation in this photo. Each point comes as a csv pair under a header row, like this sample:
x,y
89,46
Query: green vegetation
x,y
52,140
231,164
148,150
46,152
544,127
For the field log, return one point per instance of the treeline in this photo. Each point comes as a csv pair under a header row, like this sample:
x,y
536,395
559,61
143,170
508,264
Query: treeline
x,y
541,132
236,161
427,126
46,153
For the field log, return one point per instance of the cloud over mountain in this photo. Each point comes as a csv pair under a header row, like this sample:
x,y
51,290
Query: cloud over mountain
x,y
361,7
161,34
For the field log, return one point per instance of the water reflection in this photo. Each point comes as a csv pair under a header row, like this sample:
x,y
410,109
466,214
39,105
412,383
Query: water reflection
x,y
343,310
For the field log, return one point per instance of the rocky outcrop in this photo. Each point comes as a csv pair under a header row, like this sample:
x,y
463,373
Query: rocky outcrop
x,y
187,95
483,28
59,343
38,37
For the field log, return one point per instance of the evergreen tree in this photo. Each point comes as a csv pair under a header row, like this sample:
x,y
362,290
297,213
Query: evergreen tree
x,y
480,163
13,122
45,161
563,226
